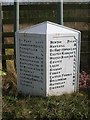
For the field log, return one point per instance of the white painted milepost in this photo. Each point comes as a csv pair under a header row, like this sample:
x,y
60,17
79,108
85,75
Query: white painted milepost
x,y
47,59
62,64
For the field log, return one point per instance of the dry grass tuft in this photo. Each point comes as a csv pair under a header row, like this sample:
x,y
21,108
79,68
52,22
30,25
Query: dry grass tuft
x,y
9,83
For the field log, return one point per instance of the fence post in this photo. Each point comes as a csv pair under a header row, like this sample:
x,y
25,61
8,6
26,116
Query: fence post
x,y
60,12
0,37
3,49
0,60
16,24
3,53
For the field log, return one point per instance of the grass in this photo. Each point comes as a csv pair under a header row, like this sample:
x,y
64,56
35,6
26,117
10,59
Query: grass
x,y
65,107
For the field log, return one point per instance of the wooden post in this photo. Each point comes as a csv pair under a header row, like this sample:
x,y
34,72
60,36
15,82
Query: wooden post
x,y
0,38
60,12
0,61
16,24
3,49
3,52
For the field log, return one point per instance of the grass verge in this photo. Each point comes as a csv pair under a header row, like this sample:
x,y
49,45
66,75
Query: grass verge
x,y
65,107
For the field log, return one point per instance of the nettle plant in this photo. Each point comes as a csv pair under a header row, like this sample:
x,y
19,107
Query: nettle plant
x,y
2,73
84,80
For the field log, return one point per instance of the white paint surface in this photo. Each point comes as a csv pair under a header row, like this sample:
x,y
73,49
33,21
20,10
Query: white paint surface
x,y
47,59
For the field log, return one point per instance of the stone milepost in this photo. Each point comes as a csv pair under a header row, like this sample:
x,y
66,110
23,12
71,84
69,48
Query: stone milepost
x,y
47,59
62,57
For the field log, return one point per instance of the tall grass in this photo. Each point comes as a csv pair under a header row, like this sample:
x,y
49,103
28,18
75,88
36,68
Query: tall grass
x,y
65,107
